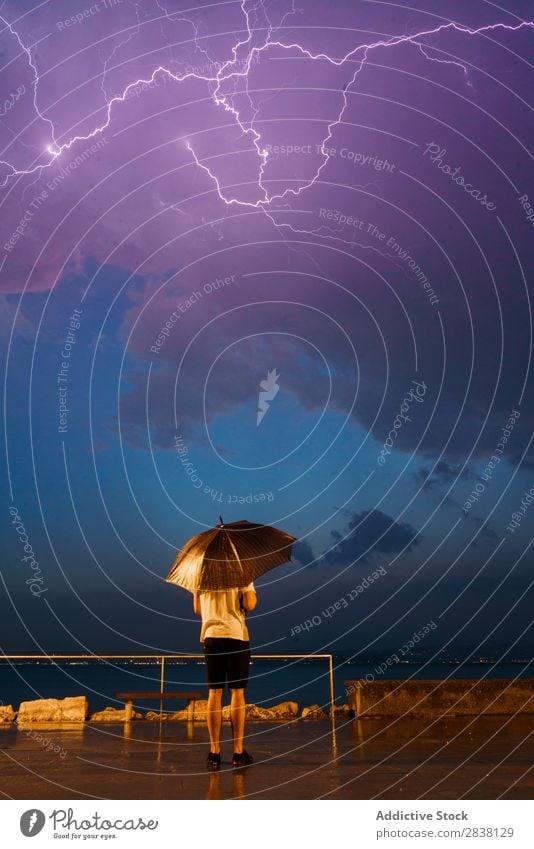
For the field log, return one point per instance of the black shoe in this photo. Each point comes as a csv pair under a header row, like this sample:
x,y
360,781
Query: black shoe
x,y
213,761
242,759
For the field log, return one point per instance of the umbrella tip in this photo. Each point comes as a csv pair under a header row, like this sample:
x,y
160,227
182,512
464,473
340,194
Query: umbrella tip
x,y
221,520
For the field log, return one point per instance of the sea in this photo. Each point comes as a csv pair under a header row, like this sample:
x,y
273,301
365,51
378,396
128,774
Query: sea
x,y
305,681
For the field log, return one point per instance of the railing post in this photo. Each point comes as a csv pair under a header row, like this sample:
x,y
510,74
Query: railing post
x,y
161,685
332,718
331,672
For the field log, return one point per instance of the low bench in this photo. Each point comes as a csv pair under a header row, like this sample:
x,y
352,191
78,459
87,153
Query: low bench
x,y
129,698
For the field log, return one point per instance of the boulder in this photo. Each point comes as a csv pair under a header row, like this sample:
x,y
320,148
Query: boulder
x,y
255,712
343,710
71,709
111,714
177,716
201,712
201,709
7,714
152,714
314,712
284,710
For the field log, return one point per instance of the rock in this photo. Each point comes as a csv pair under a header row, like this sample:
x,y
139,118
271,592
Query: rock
x,y
75,709
111,714
152,714
284,710
201,712
314,712
255,712
177,716
7,714
71,709
343,710
201,709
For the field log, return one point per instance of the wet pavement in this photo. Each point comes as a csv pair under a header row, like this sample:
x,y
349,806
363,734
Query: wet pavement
x,y
453,758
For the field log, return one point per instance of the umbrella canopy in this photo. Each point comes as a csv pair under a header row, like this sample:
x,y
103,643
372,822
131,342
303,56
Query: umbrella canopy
x,y
230,556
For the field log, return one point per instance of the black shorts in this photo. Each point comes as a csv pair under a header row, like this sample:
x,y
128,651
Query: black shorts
x,y
227,659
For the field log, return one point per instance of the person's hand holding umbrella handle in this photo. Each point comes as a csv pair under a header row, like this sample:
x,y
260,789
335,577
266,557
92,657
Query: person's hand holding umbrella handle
x,y
247,600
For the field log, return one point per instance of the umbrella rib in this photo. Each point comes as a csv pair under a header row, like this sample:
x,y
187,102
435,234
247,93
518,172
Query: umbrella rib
x,y
234,549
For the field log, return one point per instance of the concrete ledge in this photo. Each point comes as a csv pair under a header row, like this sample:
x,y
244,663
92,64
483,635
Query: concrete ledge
x,y
458,697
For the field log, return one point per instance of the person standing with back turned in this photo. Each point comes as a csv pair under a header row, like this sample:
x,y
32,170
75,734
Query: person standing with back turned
x,y
226,645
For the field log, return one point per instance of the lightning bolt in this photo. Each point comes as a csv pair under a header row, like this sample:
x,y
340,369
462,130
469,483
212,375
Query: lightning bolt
x,y
446,62
35,80
118,47
364,48
32,821
236,68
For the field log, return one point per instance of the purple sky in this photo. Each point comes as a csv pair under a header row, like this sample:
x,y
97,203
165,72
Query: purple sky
x,y
342,192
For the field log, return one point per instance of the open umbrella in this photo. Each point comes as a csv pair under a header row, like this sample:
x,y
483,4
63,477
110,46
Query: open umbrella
x,y
229,556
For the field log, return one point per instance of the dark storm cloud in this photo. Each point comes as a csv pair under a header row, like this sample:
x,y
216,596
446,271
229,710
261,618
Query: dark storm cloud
x,y
303,554
444,473
486,533
526,462
368,533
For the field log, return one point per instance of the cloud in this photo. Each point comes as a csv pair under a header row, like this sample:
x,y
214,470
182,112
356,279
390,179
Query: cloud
x,y
451,418
443,474
303,554
526,463
485,534
368,533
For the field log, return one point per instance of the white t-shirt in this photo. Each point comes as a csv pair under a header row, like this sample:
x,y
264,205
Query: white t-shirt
x,y
222,615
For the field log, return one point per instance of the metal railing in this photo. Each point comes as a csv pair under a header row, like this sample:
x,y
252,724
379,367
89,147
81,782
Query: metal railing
x,y
161,658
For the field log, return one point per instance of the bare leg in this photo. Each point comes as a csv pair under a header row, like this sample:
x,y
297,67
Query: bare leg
x,y
237,713
215,719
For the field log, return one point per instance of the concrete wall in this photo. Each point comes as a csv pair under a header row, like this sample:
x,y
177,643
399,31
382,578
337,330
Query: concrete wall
x,y
435,698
